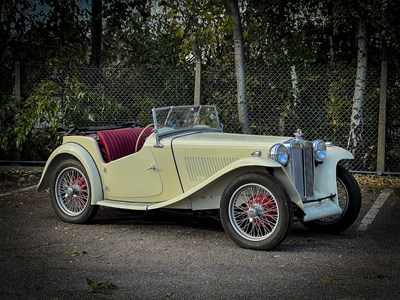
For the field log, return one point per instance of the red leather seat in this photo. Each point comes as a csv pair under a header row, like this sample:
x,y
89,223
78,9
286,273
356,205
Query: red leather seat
x,y
121,142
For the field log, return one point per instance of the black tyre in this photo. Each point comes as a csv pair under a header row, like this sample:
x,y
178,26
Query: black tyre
x,y
255,211
70,192
349,197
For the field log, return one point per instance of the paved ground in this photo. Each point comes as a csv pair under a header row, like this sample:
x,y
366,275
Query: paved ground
x,y
125,255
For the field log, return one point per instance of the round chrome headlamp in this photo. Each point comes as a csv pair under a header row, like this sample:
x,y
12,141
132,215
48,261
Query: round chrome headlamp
x,y
279,153
319,150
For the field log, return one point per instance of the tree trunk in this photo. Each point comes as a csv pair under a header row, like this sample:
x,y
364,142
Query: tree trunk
x,y
356,125
233,8
330,32
295,100
96,32
295,86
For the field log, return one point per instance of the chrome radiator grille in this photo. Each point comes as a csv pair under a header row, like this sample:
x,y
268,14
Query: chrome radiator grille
x,y
302,169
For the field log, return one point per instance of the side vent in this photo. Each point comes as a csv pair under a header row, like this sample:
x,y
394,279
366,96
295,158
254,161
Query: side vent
x,y
200,168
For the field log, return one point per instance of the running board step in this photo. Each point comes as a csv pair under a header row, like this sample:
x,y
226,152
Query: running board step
x,y
125,204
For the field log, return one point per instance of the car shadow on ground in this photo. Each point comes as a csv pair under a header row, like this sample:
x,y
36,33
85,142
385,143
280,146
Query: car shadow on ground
x,y
109,216
205,221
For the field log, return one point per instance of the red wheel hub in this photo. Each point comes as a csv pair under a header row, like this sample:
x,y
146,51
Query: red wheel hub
x,y
80,189
261,208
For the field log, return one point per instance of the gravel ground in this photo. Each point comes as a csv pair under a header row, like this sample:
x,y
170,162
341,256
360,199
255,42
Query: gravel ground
x,y
170,255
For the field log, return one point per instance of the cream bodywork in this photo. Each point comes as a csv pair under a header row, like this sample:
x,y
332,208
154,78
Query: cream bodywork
x,y
190,171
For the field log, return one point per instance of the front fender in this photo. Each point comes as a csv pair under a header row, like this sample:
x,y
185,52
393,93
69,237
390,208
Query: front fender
x,y
73,150
207,194
336,153
325,173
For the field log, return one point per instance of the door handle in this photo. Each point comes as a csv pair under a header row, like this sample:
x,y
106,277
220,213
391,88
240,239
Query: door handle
x,y
153,167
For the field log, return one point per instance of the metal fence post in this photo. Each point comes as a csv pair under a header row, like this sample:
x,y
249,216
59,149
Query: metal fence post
x,y
17,81
197,83
380,160
17,94
197,79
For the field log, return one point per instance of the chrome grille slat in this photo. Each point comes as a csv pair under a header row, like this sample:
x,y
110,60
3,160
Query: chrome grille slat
x,y
302,168
297,169
309,172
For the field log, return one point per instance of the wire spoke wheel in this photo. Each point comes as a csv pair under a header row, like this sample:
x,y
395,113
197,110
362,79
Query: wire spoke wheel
x,y
253,212
72,193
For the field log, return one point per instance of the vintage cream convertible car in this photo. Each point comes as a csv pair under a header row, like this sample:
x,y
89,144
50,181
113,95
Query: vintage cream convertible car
x,y
258,185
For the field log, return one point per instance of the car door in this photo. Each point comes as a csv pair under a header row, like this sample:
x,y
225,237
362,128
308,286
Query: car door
x,y
132,178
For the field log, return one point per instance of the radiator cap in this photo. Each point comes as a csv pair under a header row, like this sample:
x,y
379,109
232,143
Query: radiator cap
x,y
298,135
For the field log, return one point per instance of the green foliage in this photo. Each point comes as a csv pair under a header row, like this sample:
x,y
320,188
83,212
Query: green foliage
x,y
145,105
40,110
287,32
84,106
394,154
39,145
52,34
220,91
205,20
228,111
135,33
43,33
8,108
36,122
29,129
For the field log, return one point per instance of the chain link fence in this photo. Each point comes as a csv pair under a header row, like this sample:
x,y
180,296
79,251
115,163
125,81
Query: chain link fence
x,y
318,100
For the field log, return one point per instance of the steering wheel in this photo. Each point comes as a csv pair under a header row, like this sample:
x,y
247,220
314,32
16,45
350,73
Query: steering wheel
x,y
140,135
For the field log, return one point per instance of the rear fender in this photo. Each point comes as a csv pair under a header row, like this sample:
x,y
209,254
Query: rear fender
x,y
76,151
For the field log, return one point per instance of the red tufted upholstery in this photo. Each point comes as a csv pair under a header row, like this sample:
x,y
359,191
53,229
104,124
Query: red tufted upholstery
x,y
121,142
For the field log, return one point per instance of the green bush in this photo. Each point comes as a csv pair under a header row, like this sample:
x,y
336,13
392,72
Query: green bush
x,y
8,148
28,128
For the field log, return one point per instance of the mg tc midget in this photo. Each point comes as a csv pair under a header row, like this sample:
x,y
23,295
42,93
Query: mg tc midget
x,y
258,185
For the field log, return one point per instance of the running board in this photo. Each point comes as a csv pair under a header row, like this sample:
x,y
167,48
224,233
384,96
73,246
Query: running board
x,y
126,205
